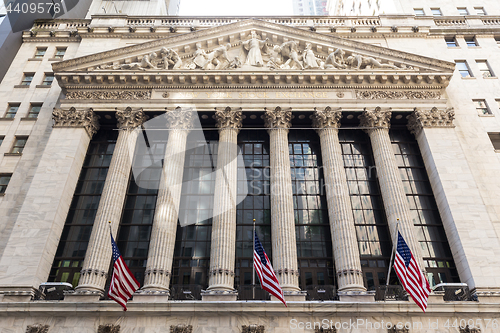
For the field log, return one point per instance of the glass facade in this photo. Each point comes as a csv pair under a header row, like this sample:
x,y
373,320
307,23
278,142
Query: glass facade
x,y
70,253
367,207
429,229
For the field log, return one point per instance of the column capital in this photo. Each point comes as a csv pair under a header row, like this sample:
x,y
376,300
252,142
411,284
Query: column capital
x,y
278,119
434,117
228,119
180,119
375,118
76,118
327,118
129,119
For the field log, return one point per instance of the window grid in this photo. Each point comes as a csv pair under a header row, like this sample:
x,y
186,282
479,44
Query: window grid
x,y
426,219
481,106
254,147
436,12
34,110
60,52
366,201
451,42
19,144
78,226
484,68
312,228
463,69
471,41
27,79
4,182
12,110
48,79
40,52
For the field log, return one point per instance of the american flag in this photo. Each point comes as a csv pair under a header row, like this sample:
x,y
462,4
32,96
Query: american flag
x,y
123,283
267,278
410,275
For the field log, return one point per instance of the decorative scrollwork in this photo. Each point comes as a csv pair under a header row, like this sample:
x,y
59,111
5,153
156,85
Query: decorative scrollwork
x,y
430,118
128,119
375,118
181,329
181,119
278,119
326,118
108,328
76,118
380,94
325,330
467,329
106,94
396,329
227,118
38,328
253,329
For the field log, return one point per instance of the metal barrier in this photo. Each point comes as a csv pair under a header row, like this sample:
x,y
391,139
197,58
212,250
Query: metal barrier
x,y
186,292
321,293
455,292
52,291
390,293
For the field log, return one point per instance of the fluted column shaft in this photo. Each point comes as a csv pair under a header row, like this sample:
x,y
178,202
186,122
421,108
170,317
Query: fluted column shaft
x,y
282,217
393,193
98,256
222,253
161,246
345,245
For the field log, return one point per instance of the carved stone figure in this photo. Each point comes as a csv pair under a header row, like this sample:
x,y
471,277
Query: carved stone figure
x,y
199,57
336,59
147,61
254,47
310,60
170,59
290,50
235,63
358,61
218,57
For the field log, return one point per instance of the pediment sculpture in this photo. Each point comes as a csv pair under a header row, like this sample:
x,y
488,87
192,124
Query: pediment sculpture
x,y
254,51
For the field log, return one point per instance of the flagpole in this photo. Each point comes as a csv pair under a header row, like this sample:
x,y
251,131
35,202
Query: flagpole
x,y
253,266
394,244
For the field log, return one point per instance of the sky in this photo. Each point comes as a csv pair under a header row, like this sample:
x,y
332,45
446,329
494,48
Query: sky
x,y
235,8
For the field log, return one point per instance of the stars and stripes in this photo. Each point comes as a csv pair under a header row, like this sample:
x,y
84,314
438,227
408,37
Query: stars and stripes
x,y
410,275
267,278
123,283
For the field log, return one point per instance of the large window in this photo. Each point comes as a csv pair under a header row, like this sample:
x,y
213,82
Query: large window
x,y
4,182
34,110
463,68
428,226
312,227
78,227
484,68
27,78
367,207
19,144
254,145
40,52
12,110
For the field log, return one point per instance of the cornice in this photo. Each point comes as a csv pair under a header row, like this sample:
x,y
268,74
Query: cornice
x,y
217,31
259,87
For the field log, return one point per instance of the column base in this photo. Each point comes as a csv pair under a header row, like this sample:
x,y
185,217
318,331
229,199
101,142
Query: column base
x,y
83,296
151,296
356,296
16,295
219,295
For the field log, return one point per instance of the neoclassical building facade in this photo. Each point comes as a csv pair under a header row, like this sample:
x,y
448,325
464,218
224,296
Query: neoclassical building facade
x,y
182,136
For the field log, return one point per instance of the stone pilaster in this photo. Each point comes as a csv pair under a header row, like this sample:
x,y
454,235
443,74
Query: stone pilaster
x,y
376,123
222,253
282,219
345,245
98,256
29,252
161,246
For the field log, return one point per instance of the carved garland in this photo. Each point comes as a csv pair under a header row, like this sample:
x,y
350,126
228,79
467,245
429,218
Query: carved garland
x,y
126,94
181,328
252,329
38,328
380,94
108,328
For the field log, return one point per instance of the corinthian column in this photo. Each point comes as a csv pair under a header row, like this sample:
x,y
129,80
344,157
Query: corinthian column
x,y
98,256
161,246
222,253
282,219
345,245
376,123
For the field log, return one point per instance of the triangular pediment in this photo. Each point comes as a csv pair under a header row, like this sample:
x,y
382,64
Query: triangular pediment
x,y
252,51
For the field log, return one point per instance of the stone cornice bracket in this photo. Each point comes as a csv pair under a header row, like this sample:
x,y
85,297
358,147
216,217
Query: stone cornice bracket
x,y
433,118
378,118
181,119
278,119
228,119
129,119
327,118
76,118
